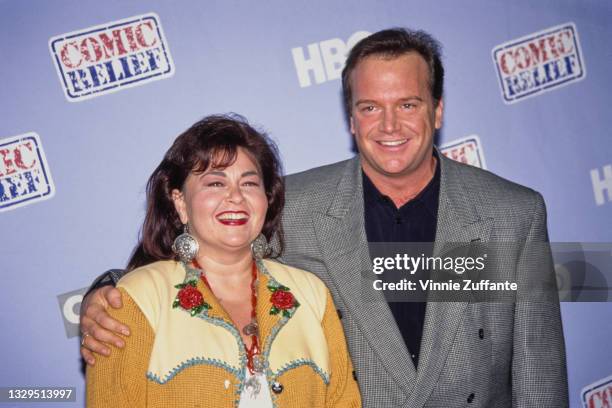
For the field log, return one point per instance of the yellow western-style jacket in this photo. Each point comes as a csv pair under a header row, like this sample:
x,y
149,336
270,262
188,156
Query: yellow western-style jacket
x,y
174,359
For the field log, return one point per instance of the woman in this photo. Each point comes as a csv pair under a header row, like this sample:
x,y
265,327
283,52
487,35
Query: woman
x,y
215,322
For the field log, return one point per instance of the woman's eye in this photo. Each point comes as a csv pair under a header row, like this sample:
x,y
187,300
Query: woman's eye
x,y
251,184
215,184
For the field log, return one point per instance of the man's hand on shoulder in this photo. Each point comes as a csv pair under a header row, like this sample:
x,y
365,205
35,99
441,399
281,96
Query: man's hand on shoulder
x,y
98,329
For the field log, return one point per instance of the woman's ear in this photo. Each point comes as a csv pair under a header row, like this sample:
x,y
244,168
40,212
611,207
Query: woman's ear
x,y
178,198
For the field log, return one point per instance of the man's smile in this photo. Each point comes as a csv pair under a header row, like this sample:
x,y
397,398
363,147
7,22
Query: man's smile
x,y
392,143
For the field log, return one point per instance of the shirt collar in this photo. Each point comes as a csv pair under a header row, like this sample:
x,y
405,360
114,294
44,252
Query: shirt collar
x,y
428,196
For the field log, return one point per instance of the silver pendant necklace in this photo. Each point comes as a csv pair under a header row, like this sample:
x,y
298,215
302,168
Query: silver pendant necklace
x,y
253,386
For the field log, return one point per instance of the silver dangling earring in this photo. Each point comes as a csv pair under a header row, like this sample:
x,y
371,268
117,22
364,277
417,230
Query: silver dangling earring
x,y
259,247
185,245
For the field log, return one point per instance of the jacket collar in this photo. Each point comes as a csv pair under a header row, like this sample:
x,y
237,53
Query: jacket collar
x,y
269,324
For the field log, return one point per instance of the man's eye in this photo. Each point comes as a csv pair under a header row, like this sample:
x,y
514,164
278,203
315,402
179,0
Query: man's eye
x,y
409,106
215,184
251,184
368,108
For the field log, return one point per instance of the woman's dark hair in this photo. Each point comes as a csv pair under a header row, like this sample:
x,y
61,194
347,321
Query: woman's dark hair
x,y
393,43
211,142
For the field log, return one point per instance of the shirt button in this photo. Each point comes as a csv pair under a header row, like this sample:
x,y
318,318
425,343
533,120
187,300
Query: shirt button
x,y
226,384
470,398
277,387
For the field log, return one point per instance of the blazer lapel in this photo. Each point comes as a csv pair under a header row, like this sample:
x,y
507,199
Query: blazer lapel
x,y
341,234
458,222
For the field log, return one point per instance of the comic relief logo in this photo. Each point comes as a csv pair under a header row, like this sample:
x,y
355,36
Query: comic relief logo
x,y
539,62
598,395
24,173
110,57
467,150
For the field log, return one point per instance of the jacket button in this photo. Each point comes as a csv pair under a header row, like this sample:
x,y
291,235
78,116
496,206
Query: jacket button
x,y
354,375
470,398
339,313
481,333
277,387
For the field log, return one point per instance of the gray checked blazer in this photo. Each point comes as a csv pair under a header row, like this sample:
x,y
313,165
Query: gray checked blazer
x,y
472,354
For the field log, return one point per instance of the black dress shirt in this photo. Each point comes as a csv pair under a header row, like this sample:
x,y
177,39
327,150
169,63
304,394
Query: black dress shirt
x,y
415,221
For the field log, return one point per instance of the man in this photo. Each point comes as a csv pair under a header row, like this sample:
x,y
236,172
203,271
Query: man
x,y
400,189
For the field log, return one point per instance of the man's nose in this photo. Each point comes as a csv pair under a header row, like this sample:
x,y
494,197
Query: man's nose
x,y
389,122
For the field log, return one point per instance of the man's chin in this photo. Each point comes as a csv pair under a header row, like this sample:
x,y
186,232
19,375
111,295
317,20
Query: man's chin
x,y
396,166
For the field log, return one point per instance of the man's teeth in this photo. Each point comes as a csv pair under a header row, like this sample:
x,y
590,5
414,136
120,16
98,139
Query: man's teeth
x,y
232,216
393,142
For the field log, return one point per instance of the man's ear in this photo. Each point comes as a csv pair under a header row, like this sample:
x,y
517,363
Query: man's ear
x,y
178,198
352,124
438,114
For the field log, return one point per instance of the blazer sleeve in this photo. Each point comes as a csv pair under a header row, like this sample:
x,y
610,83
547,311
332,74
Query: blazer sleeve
x,y
110,277
119,380
539,373
343,391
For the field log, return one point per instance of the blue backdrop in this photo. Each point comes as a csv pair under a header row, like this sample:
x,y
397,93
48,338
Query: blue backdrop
x,y
92,94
